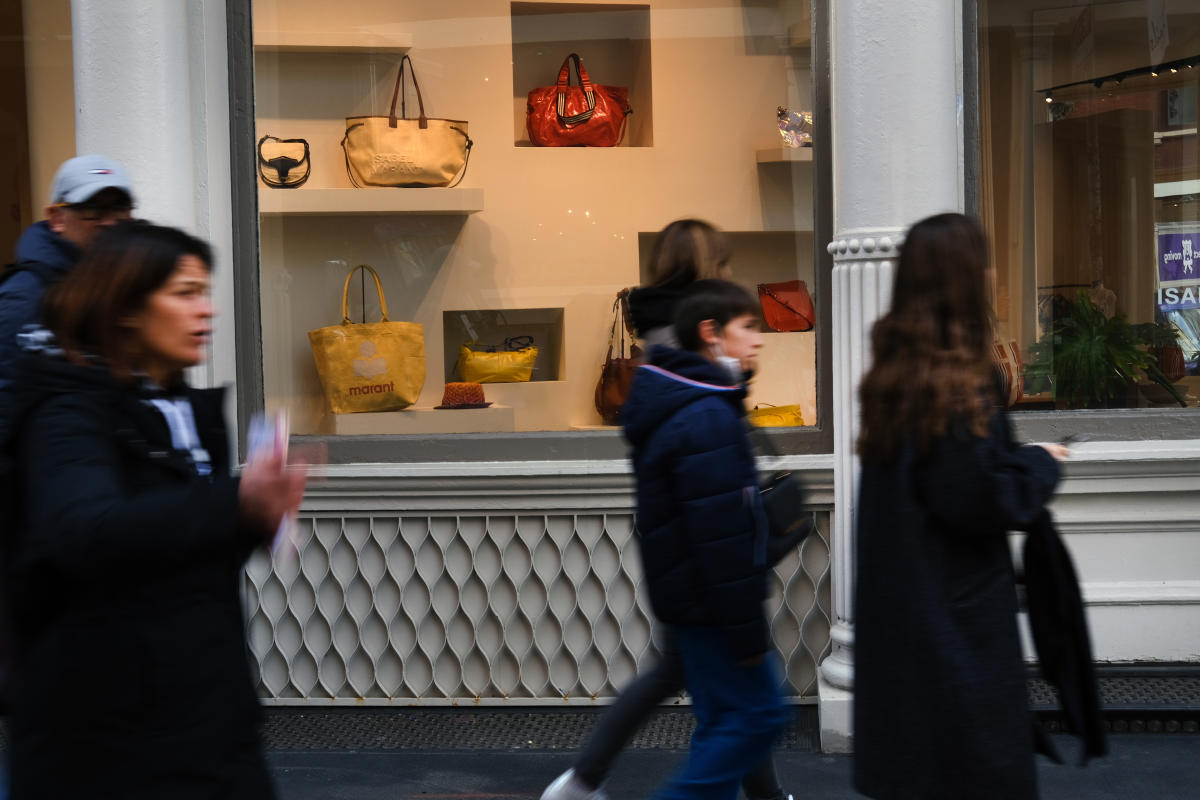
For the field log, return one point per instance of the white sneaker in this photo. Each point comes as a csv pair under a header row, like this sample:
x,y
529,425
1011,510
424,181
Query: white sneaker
x,y
568,787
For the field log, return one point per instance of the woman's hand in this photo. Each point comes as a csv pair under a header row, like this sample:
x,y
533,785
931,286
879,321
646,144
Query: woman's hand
x,y
268,491
1060,452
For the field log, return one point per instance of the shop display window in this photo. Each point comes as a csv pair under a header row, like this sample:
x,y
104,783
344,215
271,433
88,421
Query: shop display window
x,y
528,243
1091,194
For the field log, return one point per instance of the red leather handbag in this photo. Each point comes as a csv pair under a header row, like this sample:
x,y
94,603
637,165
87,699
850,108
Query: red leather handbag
x,y
787,306
570,116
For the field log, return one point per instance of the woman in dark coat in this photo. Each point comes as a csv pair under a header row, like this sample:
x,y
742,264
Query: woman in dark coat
x,y
131,537
941,709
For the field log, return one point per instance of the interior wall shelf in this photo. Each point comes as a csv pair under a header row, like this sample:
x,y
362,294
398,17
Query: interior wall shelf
x,y
784,155
336,202
330,42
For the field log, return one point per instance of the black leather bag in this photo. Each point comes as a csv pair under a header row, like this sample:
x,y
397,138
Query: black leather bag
x,y
283,163
783,499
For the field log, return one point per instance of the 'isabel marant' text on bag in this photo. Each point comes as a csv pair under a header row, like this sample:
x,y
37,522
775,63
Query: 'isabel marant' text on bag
x,y
396,151
372,366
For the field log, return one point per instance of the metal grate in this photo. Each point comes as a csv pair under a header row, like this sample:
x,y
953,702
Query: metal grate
x,y
484,729
503,609
1137,692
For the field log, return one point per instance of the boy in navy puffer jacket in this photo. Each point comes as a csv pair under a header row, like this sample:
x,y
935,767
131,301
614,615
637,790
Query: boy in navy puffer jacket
x,y
703,535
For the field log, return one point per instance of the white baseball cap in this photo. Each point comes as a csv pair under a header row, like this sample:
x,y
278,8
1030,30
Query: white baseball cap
x,y
82,177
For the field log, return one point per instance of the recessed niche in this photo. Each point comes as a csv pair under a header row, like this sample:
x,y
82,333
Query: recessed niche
x,y
494,326
612,40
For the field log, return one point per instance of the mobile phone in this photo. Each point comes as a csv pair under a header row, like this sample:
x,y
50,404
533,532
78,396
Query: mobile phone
x,y
1075,438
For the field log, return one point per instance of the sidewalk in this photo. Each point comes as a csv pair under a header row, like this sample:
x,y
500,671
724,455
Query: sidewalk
x,y
482,754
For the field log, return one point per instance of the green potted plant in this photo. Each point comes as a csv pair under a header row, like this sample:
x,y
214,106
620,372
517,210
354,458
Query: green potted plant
x,y
1097,360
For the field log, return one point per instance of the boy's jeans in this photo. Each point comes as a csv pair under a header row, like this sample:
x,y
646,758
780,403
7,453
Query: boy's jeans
x,y
739,713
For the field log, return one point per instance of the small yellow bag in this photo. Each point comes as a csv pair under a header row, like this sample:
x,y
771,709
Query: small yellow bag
x,y
513,363
768,416
372,366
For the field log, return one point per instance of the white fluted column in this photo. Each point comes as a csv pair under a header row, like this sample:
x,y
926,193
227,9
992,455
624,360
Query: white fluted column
x,y
897,135
151,92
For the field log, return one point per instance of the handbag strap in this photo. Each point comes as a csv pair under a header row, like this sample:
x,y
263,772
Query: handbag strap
x,y
616,335
264,162
378,289
767,290
522,342
585,83
423,120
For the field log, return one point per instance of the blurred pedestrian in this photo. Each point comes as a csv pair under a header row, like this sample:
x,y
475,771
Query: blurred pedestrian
x,y
130,539
701,535
88,194
941,707
685,251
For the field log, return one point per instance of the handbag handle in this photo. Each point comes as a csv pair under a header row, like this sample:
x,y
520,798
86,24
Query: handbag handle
x,y
771,293
621,315
423,121
346,293
514,343
585,83
265,162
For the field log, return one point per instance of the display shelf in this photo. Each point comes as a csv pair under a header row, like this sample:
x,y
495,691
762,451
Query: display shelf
x,y
493,419
335,202
330,42
784,155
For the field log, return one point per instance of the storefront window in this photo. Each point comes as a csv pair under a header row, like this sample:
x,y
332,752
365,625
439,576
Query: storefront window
x,y
530,245
37,116
1091,193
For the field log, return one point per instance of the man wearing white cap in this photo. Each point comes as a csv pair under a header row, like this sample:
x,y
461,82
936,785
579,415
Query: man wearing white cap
x,y
89,193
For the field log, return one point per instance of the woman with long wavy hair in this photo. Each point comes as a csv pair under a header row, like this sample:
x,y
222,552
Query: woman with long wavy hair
x,y
941,709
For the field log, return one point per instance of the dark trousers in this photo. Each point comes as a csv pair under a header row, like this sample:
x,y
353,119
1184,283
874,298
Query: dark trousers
x,y
739,714
627,715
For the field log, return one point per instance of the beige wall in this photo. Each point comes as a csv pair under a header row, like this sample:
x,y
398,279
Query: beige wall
x,y
560,227
49,78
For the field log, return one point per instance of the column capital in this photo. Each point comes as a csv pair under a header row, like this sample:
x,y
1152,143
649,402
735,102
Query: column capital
x,y
866,244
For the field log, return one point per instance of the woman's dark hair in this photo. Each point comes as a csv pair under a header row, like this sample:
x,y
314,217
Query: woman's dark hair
x,y
122,267
720,301
687,250
931,353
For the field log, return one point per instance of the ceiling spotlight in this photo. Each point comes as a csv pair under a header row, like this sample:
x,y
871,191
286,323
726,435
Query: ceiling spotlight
x,y
1049,99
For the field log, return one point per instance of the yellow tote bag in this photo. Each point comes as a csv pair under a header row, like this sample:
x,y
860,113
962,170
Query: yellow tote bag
x,y
479,363
767,416
372,366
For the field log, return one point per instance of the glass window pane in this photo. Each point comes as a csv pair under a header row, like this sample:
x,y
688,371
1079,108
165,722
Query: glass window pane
x,y
1091,193
529,247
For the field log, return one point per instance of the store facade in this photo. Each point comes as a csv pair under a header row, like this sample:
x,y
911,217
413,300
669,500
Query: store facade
x,y
485,556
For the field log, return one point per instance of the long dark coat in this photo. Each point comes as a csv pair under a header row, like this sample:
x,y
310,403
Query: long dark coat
x,y
941,707
134,680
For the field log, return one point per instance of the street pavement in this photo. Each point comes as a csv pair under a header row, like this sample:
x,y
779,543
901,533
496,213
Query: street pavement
x,y
1159,766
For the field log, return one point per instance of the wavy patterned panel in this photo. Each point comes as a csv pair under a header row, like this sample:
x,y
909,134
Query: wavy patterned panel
x,y
526,609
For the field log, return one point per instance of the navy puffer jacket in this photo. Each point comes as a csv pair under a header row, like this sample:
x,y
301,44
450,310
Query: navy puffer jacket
x,y
702,536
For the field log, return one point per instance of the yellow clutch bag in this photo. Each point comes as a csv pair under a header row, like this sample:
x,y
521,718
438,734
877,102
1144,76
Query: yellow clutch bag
x,y
768,416
510,363
372,366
